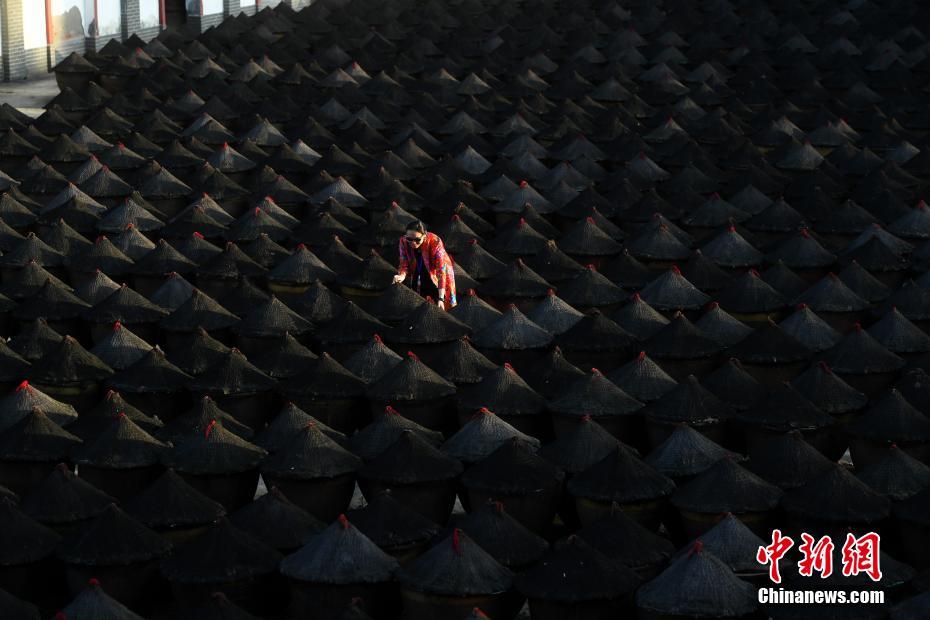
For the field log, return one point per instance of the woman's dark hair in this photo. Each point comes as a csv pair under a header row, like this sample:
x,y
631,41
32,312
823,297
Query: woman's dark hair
x,y
416,225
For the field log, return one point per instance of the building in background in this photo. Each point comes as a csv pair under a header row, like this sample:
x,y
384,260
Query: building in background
x,y
36,34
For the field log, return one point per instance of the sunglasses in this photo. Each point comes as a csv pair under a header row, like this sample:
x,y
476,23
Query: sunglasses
x,y
415,240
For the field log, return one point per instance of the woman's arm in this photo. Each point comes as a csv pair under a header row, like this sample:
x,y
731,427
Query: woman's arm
x,y
402,261
443,266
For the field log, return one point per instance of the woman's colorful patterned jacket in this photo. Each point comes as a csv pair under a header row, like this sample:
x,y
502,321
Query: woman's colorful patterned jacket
x,y
437,261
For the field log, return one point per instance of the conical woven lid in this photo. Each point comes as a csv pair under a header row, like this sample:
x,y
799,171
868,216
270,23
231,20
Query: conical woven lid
x,y
199,311
586,238
286,424
784,409
122,445
913,509
301,267
516,281
726,486
218,607
822,387
427,324
219,555
410,380
311,454
233,374
478,261
340,555
897,334
112,539
554,314
721,326
96,289
457,566
24,540
672,291
372,361
642,379
552,373
621,538
579,448
325,378
769,344
596,333
786,461
151,374
351,325
836,496
897,476
53,302
171,502
35,340
891,418
384,430
231,263
63,498
15,609
620,477
553,264
372,274
285,358
69,363
805,326
474,311
24,398
734,385
698,584
914,386
505,538
689,402
120,348
173,292
502,391
733,543
94,602
102,254
462,364
705,274
576,571
319,304
681,339
594,395
26,283
591,289
36,438
396,303
391,524
272,318
863,283
686,453
481,436
95,421
830,294
513,469
275,521
411,459
213,451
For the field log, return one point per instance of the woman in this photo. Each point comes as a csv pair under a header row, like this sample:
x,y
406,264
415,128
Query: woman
x,y
423,257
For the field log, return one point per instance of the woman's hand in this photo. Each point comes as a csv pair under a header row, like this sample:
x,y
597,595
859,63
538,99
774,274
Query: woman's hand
x,y
398,278
442,304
